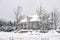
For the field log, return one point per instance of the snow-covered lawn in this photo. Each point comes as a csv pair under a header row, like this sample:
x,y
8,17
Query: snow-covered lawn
x,y
30,36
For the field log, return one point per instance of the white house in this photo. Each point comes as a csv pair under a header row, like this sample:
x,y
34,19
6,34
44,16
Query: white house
x,y
36,22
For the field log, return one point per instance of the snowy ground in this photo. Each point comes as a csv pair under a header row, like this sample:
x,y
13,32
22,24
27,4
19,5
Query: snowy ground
x,y
29,36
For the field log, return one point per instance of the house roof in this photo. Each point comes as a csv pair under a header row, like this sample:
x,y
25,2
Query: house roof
x,y
35,18
24,20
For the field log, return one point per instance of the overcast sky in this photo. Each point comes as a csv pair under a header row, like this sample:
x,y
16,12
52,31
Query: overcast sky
x,y
28,7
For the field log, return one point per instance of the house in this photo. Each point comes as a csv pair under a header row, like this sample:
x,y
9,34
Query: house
x,y
36,22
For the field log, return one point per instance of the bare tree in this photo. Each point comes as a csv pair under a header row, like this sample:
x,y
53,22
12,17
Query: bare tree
x,y
43,16
55,18
39,13
45,21
18,16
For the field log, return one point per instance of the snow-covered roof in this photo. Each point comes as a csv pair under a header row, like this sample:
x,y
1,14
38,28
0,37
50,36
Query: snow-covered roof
x,y
35,18
24,20
49,18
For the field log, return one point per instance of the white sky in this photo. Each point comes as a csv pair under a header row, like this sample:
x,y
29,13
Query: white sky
x,y
28,6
